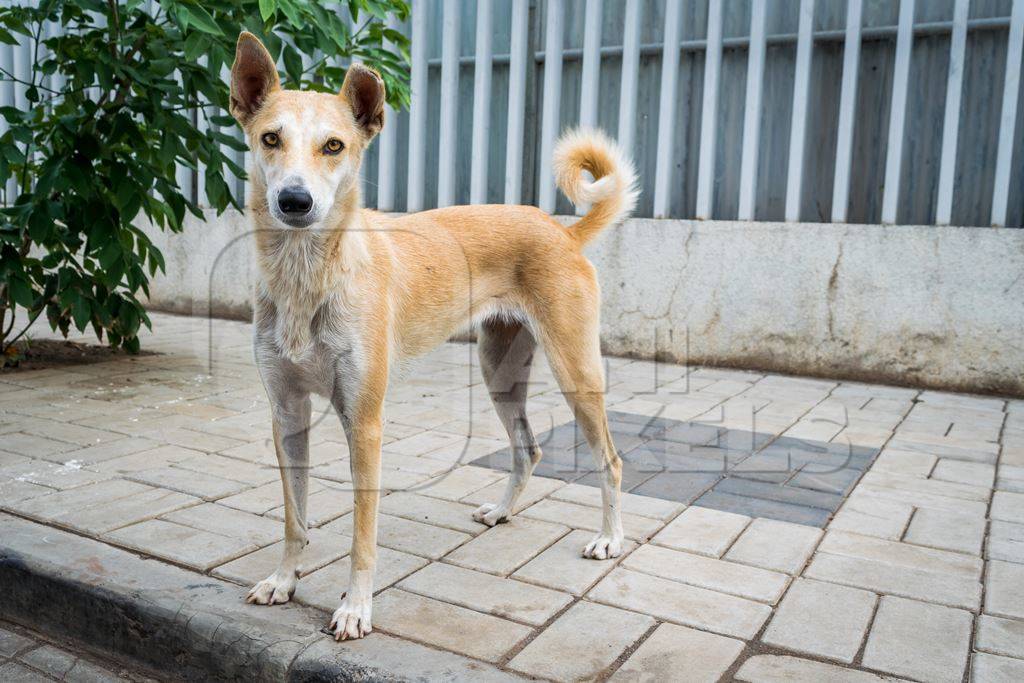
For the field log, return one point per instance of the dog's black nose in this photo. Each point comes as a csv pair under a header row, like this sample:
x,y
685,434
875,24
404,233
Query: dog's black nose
x,y
294,200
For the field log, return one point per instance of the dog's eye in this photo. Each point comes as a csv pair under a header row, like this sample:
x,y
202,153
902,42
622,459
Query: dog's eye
x,y
271,139
333,146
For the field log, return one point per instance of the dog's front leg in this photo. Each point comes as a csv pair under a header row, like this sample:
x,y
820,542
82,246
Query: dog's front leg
x,y
364,431
291,442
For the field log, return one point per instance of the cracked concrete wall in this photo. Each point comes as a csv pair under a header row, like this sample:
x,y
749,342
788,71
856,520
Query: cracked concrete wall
x,y
927,306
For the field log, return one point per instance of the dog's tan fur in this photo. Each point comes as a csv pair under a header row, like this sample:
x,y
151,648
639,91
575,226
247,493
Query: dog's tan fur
x,y
341,300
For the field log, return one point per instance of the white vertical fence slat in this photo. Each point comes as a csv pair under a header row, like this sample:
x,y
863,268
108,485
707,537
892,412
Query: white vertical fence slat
x,y
752,111
590,82
630,73
847,108
898,111
667,109
951,121
418,109
387,150
516,101
1008,118
552,97
448,137
798,123
709,112
481,104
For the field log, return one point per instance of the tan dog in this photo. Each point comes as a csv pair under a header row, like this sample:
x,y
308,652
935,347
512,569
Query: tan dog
x,y
345,292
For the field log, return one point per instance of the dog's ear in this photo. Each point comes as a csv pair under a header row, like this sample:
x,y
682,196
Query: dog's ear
x,y
363,90
253,77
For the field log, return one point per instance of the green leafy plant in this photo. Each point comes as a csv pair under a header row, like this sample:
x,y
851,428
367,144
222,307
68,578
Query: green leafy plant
x,y
112,106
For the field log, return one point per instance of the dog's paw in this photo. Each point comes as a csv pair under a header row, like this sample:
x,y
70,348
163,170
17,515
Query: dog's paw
x,y
603,547
491,514
352,619
272,590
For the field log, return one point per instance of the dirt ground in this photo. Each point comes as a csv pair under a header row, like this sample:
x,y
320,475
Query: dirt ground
x,y
48,353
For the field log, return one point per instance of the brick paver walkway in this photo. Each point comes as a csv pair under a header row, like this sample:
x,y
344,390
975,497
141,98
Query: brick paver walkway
x,y
779,528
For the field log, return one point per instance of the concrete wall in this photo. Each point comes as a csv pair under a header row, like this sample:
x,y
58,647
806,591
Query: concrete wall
x,y
928,306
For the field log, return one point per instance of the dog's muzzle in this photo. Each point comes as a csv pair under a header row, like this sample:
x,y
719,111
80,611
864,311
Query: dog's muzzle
x,y
295,203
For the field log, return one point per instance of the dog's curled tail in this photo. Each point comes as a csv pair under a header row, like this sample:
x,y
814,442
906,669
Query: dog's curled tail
x,y
613,193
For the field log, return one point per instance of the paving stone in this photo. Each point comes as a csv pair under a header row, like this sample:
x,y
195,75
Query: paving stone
x,y
230,468
486,593
759,507
821,619
53,661
909,463
872,516
1000,636
323,506
770,544
425,540
781,494
12,643
672,649
880,577
836,482
148,459
12,672
681,487
60,503
973,473
632,504
681,604
919,640
324,547
14,491
324,587
203,486
260,499
537,488
947,531
900,554
583,517
35,446
922,499
581,643
1006,542
1003,595
103,517
786,669
56,476
434,511
226,521
704,572
427,442
459,483
181,544
928,486
506,547
446,626
702,531
1008,506
988,668
562,566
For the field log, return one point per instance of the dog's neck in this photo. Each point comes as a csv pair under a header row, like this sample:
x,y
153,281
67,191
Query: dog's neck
x,y
300,268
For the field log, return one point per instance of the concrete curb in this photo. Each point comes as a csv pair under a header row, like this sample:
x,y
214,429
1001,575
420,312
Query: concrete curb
x,y
190,625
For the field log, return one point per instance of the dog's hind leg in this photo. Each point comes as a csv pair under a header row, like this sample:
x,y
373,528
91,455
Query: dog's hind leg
x,y
506,352
291,442
569,327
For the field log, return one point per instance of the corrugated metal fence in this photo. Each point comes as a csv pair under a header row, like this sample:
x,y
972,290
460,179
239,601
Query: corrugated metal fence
x,y
866,111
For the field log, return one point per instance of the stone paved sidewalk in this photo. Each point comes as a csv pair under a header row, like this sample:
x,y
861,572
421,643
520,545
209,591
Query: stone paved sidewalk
x,y
779,528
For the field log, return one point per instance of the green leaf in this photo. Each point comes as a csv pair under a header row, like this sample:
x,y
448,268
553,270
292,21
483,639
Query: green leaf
x,y
267,9
21,292
201,19
292,64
